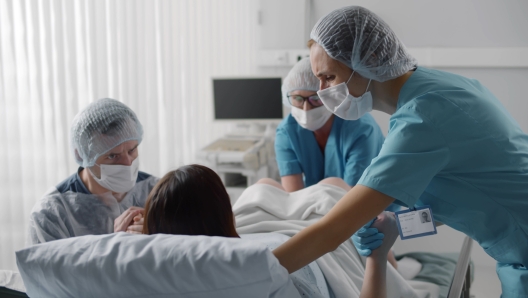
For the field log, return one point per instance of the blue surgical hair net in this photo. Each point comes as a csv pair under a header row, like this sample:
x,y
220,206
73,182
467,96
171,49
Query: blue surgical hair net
x,y
101,126
300,77
362,41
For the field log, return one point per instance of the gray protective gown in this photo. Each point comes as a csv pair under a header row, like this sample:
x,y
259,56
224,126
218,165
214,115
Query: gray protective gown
x,y
70,210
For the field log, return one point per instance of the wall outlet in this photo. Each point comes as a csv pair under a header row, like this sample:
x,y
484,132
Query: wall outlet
x,y
280,57
297,55
272,58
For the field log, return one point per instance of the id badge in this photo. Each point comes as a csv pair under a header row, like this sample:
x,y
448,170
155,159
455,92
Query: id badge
x,y
415,222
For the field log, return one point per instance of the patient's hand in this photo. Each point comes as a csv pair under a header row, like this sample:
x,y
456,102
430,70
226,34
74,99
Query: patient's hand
x,y
137,226
124,220
386,224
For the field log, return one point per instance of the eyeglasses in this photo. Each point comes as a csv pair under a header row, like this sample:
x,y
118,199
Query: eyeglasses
x,y
298,101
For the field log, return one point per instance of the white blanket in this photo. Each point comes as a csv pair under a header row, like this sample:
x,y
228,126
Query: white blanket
x,y
264,208
12,280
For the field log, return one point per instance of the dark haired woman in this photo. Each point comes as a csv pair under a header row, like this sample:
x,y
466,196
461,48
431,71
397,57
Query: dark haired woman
x,y
189,201
193,201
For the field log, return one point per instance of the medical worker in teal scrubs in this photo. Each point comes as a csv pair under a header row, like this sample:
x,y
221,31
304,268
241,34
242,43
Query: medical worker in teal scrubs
x,y
451,145
311,142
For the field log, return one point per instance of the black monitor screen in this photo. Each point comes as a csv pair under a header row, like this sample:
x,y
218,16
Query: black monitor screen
x,y
256,98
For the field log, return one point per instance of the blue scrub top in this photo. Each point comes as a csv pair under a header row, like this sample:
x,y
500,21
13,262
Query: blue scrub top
x,y
452,145
349,150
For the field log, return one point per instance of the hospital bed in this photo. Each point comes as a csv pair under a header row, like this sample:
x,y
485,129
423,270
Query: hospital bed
x,y
124,265
11,284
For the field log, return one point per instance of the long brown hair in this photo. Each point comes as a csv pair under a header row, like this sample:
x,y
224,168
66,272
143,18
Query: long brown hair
x,y
189,201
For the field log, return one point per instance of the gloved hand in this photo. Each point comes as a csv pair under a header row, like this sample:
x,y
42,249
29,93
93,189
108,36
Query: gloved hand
x,y
367,239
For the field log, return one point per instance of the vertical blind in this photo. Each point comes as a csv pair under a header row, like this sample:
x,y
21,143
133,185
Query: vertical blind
x,y
156,56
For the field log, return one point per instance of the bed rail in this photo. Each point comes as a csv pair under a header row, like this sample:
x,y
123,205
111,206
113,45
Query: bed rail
x,y
462,278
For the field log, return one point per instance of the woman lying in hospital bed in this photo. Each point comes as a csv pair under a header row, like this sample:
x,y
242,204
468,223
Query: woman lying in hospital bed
x,y
193,201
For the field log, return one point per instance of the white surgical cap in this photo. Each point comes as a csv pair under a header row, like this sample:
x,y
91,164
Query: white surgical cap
x,y
300,77
101,126
362,41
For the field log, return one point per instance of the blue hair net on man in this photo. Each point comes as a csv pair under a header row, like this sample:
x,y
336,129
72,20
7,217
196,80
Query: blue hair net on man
x,y
300,77
362,41
101,126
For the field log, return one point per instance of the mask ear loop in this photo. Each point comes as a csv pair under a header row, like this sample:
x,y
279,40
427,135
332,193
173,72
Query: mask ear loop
x,y
92,173
350,76
368,85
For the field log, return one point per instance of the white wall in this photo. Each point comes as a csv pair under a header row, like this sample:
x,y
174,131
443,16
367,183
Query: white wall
x,y
283,24
448,23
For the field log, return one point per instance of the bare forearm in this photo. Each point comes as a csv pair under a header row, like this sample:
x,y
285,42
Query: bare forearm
x,y
292,183
392,259
375,282
297,252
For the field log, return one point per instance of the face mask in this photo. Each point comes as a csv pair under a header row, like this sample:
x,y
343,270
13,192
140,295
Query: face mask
x,y
338,100
312,119
118,178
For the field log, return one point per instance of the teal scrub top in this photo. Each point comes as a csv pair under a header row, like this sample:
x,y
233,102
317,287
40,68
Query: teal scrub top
x,y
349,150
452,145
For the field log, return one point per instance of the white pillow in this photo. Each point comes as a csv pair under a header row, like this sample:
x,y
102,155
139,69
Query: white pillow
x,y
127,265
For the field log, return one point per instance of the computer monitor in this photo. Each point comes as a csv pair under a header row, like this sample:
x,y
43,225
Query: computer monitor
x,y
247,99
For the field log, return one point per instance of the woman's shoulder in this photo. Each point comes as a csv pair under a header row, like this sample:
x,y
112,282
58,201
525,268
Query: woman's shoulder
x,y
429,86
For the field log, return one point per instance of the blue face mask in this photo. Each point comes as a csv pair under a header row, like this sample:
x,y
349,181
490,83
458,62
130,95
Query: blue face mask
x,y
338,100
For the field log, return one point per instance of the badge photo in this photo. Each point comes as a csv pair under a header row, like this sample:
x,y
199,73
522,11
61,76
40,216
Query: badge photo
x,y
415,222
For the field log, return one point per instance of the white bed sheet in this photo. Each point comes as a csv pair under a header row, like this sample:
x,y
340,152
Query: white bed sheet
x,y
263,208
425,289
12,280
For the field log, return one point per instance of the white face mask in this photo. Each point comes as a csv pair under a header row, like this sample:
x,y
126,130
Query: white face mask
x,y
338,100
118,178
312,119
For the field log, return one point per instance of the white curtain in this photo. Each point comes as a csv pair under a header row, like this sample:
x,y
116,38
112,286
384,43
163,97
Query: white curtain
x,y
158,57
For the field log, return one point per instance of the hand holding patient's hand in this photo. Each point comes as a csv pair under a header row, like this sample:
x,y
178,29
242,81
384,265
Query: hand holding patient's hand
x,y
137,225
126,219
386,224
367,239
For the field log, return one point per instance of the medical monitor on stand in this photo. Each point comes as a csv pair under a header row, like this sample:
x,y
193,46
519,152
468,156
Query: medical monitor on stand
x,y
254,104
249,101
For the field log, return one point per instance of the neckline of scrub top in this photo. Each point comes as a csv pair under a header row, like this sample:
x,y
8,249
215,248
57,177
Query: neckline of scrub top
x,y
331,137
331,146
331,141
406,91
321,154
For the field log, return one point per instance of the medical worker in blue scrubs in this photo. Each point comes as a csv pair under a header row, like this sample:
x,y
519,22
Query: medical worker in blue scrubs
x,y
311,142
451,145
